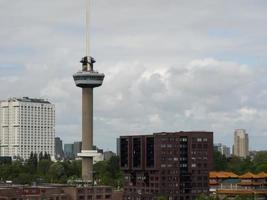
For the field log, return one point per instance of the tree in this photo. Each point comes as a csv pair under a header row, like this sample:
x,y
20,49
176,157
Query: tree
x,y
41,156
220,161
108,172
260,158
56,172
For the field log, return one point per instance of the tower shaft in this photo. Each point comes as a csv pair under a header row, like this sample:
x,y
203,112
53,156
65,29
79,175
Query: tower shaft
x,y
87,132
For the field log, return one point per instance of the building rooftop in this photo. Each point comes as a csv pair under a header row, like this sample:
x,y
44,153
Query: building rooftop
x,y
222,175
28,99
228,175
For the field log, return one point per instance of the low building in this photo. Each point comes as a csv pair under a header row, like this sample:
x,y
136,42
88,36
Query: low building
x,y
20,192
108,155
230,185
59,192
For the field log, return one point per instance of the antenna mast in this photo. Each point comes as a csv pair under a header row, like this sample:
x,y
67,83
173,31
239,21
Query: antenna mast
x,y
87,21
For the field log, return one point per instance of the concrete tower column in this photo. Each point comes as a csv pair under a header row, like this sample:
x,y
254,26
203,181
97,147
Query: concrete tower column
x,y
87,132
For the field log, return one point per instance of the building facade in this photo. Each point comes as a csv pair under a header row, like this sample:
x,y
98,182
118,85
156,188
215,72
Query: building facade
x,y
241,143
59,154
59,192
223,149
174,165
27,125
77,148
69,151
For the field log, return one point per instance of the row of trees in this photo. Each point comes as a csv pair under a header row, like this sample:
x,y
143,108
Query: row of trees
x,y
41,169
255,164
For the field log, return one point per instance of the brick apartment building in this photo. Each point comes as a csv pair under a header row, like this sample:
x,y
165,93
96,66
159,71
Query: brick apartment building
x,y
174,165
58,192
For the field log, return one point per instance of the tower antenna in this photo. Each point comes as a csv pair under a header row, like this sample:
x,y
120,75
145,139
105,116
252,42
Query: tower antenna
x,y
87,25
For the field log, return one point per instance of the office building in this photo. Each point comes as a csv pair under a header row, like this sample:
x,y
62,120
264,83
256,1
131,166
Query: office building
x,y
223,149
27,125
77,147
59,154
68,151
174,165
241,143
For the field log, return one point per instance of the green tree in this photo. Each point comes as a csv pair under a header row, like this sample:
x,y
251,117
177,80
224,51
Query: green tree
x,y
56,172
260,158
220,161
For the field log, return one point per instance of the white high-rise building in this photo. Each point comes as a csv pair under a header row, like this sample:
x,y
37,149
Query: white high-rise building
x,y
223,149
26,125
241,143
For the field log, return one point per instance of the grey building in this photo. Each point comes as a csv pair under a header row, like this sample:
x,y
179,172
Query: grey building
x,y
77,147
68,151
223,149
108,155
59,154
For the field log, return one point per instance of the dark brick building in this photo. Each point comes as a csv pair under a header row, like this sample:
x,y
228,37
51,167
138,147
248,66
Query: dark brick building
x,y
174,165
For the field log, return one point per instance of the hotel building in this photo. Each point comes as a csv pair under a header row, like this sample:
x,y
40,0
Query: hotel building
x,y
26,125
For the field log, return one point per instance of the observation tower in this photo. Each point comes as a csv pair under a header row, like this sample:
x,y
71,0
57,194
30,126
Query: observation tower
x,y
87,79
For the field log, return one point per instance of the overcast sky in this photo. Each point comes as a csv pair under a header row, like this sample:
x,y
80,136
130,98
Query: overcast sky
x,y
170,65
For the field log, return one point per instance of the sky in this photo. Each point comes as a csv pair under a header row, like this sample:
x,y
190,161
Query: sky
x,y
169,65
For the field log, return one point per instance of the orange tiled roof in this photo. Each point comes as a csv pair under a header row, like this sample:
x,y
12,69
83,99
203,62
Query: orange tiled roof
x,y
262,175
248,175
222,175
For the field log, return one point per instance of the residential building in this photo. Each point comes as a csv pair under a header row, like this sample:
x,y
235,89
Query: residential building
x,y
27,125
223,149
174,165
59,154
69,151
59,192
241,143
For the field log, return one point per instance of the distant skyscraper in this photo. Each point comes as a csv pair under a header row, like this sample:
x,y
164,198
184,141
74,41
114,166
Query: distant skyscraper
x,y
26,125
68,151
223,149
77,147
58,149
241,143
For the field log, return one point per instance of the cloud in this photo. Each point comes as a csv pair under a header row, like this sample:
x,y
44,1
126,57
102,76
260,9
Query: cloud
x,y
175,65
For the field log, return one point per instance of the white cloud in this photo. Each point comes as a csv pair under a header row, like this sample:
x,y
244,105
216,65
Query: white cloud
x,y
176,65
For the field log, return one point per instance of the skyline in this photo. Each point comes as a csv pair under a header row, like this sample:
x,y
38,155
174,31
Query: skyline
x,y
173,67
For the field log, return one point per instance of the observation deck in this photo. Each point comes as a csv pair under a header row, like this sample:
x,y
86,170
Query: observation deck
x,y
88,78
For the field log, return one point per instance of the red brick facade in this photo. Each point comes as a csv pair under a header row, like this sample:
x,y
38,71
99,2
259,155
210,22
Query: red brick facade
x,y
175,165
